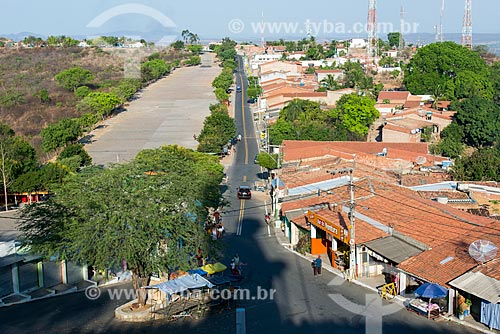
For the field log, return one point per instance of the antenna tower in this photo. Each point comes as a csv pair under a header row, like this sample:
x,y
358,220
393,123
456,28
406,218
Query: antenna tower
x,y
262,42
467,26
372,28
401,26
439,28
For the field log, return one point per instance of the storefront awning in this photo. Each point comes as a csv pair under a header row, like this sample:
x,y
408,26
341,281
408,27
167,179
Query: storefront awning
x,y
393,249
478,284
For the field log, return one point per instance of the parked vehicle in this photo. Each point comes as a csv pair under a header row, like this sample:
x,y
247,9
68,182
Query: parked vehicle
x,y
244,192
238,89
252,100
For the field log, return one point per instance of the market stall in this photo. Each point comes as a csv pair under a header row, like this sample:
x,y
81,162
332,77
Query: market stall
x,y
428,291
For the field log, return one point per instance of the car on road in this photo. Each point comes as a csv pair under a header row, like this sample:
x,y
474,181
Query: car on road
x,y
229,90
256,159
252,100
244,192
238,89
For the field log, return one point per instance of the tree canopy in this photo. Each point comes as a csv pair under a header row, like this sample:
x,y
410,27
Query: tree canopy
x,y
218,129
461,72
148,212
74,77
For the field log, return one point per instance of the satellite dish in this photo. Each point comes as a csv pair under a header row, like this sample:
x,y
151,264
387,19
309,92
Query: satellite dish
x,y
413,131
483,250
421,160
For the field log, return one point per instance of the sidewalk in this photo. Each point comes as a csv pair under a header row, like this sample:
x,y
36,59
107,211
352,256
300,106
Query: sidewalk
x,y
283,241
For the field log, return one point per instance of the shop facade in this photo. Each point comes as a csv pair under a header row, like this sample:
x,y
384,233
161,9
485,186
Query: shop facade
x,y
329,237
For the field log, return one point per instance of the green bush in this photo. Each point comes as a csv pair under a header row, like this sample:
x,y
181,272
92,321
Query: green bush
x,y
82,92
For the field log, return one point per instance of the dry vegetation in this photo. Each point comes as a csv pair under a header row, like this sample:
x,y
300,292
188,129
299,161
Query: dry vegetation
x,y
24,73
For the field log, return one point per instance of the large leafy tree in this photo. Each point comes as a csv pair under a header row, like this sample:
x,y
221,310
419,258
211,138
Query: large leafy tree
x,y
146,212
479,118
59,134
218,129
16,157
74,77
482,165
356,113
459,70
451,143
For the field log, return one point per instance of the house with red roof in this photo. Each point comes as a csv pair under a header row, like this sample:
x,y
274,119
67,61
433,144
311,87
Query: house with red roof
x,y
401,233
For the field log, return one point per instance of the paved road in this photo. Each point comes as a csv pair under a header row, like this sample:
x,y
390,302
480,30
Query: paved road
x,y
301,303
169,111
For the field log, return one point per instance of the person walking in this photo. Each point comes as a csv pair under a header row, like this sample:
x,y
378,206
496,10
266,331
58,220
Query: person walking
x,y
318,264
313,265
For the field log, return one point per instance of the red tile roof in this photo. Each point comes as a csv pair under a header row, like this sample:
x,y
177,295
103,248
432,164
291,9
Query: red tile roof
x,y
394,97
447,231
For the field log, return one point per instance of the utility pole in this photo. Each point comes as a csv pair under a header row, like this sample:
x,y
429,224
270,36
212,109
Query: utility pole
x,y
275,191
352,243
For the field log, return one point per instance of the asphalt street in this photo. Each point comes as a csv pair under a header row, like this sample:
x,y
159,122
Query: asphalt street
x,y
300,303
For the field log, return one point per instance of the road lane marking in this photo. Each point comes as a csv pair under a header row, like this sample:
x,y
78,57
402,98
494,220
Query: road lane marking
x,y
244,178
268,225
239,227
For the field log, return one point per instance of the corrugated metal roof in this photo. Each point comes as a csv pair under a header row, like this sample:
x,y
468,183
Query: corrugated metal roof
x,y
393,248
451,185
323,186
480,285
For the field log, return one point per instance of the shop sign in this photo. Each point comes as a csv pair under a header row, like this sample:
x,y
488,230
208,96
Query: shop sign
x,y
336,231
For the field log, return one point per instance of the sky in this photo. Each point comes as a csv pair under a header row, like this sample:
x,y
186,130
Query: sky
x,y
214,19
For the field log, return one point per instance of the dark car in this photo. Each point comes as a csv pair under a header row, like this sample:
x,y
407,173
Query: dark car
x,y
244,192
252,100
229,90
238,89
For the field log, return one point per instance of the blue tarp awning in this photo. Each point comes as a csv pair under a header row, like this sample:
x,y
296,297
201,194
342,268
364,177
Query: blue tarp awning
x,y
198,271
182,283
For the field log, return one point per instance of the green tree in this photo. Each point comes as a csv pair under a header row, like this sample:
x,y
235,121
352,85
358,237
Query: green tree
x,y
269,161
482,165
479,119
218,129
59,134
393,39
330,83
154,69
154,223
76,150
178,45
459,70
74,77
450,144
99,103
357,113
16,157
221,95
126,89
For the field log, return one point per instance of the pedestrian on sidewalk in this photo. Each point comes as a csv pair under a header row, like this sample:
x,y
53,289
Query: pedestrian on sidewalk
x,y
318,264
313,265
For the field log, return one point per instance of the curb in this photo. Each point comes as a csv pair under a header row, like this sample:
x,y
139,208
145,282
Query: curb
x,y
400,300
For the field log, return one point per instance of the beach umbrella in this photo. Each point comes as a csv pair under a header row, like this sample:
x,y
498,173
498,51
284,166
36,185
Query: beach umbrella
x,y
431,290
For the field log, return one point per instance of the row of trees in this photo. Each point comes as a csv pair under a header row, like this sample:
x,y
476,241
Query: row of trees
x,y
148,212
219,128
306,120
